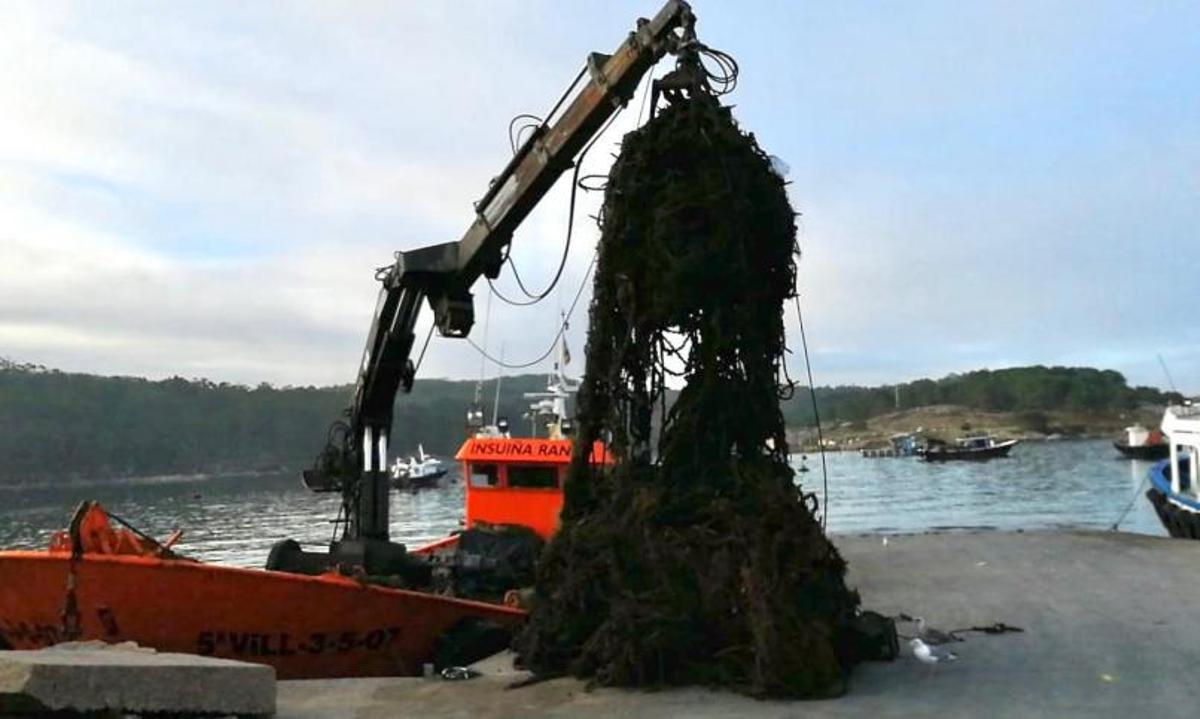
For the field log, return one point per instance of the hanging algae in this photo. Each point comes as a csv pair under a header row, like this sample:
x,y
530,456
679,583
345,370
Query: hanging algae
x,y
701,562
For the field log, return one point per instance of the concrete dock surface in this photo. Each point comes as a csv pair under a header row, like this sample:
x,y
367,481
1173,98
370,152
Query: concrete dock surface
x,y
1109,631
97,679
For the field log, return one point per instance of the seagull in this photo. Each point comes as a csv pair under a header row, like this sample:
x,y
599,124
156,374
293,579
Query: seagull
x,y
928,655
933,635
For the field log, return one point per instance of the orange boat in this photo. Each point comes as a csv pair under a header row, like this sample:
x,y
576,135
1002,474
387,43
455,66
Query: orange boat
x,y
517,480
97,581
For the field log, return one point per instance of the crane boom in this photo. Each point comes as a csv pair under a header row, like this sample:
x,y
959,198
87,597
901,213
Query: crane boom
x,y
354,461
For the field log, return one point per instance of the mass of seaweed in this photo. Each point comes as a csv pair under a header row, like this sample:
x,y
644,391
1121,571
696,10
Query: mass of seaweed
x,y
696,559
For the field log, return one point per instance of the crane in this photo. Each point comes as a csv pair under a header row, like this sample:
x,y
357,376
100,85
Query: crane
x,y
354,460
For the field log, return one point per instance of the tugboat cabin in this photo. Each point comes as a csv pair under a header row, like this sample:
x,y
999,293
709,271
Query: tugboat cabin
x,y
513,480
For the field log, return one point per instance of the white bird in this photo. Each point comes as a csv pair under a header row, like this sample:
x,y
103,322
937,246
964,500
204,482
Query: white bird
x,y
928,655
932,635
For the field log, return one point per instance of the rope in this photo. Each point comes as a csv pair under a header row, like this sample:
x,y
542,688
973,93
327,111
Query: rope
x,y
1137,493
561,328
164,552
812,393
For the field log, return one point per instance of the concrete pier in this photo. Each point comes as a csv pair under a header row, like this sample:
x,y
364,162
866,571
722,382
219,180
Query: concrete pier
x,y
93,678
1108,620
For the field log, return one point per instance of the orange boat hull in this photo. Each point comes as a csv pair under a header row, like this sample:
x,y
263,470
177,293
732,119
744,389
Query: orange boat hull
x,y
305,627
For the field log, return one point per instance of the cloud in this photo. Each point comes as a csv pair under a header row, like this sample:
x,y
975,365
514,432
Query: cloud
x,y
205,189
176,197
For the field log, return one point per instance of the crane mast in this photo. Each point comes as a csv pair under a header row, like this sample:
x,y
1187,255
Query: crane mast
x,y
354,460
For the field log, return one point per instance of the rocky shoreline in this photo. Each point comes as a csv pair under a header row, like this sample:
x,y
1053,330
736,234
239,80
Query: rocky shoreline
x,y
947,422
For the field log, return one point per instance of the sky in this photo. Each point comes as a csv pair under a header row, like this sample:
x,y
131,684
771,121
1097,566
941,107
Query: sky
x,y
205,189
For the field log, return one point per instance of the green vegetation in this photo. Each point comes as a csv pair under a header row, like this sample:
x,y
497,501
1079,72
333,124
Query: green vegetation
x,y
57,425
1026,390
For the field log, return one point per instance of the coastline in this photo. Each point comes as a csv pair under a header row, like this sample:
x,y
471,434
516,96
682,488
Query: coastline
x,y
949,421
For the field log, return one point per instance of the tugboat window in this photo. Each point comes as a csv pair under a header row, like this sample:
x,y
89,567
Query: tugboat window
x,y
485,475
533,476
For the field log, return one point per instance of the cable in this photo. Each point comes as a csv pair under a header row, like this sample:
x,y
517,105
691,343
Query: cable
x,y
514,143
538,297
421,357
566,245
561,328
812,392
566,93
724,81
518,365
513,140
595,182
576,184
598,181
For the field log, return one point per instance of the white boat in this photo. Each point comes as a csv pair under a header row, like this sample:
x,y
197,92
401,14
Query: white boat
x,y
423,470
1142,443
1173,491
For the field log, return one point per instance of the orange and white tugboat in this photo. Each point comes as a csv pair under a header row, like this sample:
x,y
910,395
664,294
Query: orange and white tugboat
x,y
518,480
366,606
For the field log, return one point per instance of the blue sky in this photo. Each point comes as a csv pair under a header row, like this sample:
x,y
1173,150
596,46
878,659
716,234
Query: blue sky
x,y
205,189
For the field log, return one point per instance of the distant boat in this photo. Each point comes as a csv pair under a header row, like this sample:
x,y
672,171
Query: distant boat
x,y
420,472
1142,443
1173,491
902,444
969,448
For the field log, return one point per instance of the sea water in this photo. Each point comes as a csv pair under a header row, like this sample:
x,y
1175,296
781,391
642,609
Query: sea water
x,y
235,519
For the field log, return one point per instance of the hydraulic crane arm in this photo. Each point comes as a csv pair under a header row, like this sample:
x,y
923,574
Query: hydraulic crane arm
x,y
355,460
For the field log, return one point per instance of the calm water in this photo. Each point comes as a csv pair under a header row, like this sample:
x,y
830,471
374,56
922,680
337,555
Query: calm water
x,y
236,519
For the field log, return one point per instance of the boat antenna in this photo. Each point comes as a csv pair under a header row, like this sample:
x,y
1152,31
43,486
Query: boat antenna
x,y
499,376
563,355
1167,372
487,321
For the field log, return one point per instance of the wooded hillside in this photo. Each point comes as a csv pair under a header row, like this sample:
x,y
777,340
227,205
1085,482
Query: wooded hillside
x,y
60,425
1016,389
57,424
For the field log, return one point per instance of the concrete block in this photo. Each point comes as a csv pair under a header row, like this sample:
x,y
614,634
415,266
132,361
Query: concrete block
x,y
95,677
